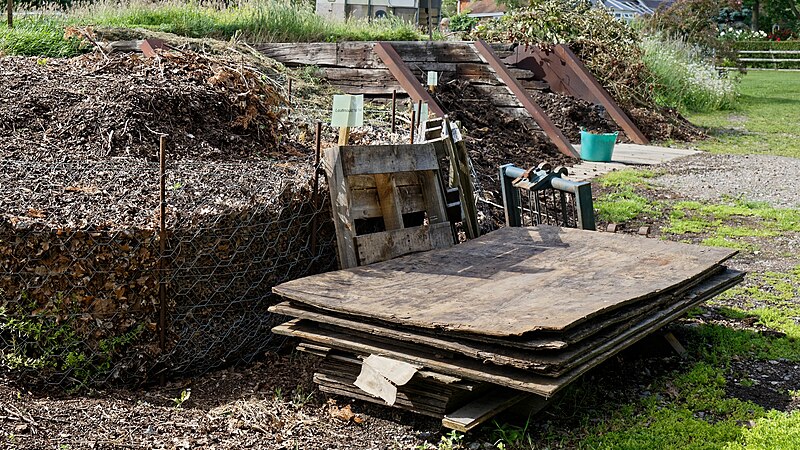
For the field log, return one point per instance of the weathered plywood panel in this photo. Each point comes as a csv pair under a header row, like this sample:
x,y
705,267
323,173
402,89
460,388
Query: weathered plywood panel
x,y
472,369
511,281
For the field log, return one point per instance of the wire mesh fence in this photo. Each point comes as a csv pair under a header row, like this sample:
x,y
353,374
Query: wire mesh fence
x,y
86,269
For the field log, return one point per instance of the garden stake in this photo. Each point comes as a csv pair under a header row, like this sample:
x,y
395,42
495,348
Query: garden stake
x,y
394,109
419,113
290,92
413,120
10,13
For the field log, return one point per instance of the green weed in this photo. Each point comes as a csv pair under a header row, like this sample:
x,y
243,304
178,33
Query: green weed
x,y
774,431
182,398
750,219
626,178
623,205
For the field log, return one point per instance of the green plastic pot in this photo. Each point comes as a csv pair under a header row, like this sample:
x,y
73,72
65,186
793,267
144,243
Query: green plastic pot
x,y
597,147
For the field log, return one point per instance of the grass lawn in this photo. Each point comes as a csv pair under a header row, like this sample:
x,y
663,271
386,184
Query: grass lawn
x,y
767,119
249,20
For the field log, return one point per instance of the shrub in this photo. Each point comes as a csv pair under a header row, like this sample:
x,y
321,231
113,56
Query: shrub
x,y
608,47
683,79
463,23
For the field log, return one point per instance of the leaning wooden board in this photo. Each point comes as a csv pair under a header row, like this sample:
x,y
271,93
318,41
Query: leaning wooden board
x,y
510,282
472,369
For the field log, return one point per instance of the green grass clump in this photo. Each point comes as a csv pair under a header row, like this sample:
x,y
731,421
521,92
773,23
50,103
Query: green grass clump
x,y
683,79
627,177
38,37
624,203
775,431
766,120
762,220
622,206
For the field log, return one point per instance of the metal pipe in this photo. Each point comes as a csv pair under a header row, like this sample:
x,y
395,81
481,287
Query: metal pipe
x,y
314,192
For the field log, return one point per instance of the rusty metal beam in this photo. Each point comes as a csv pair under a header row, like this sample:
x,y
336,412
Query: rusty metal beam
x,y
407,80
530,105
601,95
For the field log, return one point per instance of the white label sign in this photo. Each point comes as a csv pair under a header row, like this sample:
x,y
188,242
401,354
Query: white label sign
x,y
348,111
433,78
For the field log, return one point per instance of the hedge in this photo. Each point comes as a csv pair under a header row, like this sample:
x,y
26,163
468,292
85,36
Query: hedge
x,y
766,45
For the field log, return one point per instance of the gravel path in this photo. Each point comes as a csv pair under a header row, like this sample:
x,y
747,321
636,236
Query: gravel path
x,y
711,177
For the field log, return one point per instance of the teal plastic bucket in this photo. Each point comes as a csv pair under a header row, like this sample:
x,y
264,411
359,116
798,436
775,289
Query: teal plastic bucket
x,y
597,147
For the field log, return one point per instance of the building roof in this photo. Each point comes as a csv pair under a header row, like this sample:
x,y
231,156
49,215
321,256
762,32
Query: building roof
x,y
482,8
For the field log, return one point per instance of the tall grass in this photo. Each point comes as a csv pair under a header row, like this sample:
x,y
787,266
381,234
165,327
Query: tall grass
x,y
683,79
253,20
37,37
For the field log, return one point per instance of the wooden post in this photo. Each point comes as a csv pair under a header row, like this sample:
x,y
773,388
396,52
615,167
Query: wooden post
x,y
344,135
10,13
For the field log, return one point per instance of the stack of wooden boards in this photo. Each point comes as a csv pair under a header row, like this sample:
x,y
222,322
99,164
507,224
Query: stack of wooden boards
x,y
524,309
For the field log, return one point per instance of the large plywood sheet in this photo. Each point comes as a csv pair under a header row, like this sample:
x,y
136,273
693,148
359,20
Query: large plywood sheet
x,y
511,281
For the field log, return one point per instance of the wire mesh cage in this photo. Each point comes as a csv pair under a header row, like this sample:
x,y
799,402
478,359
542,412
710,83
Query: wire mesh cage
x,y
86,269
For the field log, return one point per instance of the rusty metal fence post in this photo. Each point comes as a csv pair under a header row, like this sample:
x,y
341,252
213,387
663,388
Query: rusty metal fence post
x,y
162,242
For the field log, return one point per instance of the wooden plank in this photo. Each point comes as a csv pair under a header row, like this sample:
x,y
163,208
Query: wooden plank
x,y
600,95
536,111
466,189
475,370
435,206
339,390
374,159
495,276
390,244
360,77
340,198
387,197
300,54
365,204
484,408
407,80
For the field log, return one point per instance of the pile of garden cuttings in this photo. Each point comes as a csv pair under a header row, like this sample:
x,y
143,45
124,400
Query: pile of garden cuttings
x,y
80,254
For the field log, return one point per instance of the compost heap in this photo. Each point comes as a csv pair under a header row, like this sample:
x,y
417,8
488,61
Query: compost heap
x,y
79,212
106,114
495,138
